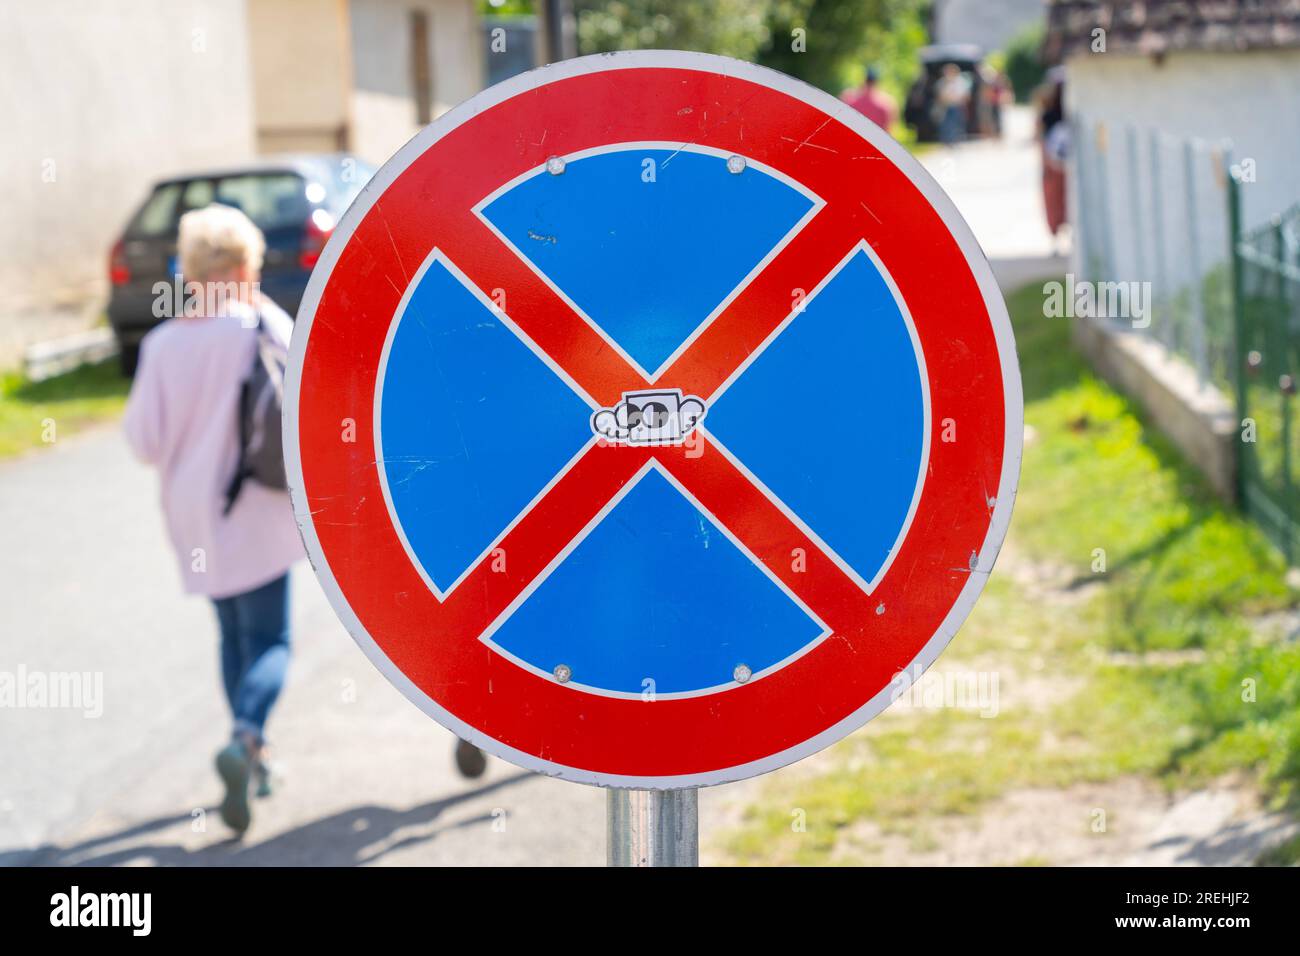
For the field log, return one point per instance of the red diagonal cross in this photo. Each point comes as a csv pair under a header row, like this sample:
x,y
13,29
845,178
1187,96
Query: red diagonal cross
x,y
577,498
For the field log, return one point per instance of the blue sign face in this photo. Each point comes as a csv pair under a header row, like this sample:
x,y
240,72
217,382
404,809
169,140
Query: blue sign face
x,y
828,418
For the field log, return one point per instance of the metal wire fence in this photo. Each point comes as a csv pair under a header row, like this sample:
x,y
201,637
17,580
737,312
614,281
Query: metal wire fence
x,y
1266,280
1153,210
1167,211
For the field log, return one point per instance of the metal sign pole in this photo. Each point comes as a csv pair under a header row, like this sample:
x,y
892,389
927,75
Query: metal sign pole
x,y
653,827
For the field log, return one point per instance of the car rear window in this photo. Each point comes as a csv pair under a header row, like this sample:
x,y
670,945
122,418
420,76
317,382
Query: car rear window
x,y
157,217
272,200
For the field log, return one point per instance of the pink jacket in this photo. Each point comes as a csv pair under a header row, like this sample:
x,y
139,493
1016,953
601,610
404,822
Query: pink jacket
x,y
182,417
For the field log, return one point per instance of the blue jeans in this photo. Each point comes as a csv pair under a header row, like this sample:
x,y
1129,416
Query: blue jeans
x,y
254,651
953,125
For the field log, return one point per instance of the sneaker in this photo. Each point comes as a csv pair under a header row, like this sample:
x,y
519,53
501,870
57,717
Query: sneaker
x,y
470,761
233,768
267,774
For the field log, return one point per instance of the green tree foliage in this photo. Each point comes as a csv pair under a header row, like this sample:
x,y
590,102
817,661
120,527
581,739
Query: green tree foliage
x,y
1024,64
506,8
735,28
828,43
891,45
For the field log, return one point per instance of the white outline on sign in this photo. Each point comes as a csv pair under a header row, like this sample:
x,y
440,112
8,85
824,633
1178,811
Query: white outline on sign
x,y
795,519
581,536
437,255
828,105
632,146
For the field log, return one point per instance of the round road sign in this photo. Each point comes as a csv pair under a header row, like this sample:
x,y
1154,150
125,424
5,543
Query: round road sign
x,y
648,416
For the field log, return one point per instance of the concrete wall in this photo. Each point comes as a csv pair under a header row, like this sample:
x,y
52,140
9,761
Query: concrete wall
x,y
1250,98
302,68
98,100
1200,421
383,103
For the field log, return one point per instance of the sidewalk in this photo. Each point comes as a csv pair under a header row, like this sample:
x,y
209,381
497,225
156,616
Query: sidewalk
x,y
995,185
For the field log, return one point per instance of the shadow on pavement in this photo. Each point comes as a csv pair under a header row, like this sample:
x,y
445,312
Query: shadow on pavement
x,y
1240,843
350,838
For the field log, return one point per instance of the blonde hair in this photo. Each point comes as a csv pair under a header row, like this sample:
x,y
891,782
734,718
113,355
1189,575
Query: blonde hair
x,y
216,240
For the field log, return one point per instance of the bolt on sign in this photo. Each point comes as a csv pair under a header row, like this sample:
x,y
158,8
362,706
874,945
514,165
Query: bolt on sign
x,y
686,415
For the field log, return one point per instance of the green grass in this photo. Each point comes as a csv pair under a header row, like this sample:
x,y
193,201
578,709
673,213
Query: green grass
x,y
906,136
1181,574
1288,854
35,414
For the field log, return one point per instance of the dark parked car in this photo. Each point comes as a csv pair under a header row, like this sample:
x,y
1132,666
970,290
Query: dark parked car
x,y
295,200
919,109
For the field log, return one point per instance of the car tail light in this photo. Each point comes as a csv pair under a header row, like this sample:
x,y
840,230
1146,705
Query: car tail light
x,y
319,226
119,273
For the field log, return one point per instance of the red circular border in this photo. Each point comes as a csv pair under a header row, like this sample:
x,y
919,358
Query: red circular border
x,y
436,645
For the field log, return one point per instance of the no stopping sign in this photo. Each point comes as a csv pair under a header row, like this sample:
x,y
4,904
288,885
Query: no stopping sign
x,y
647,414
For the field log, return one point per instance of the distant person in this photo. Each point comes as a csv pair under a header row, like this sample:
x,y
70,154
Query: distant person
x,y
992,94
952,101
873,102
1054,149
183,418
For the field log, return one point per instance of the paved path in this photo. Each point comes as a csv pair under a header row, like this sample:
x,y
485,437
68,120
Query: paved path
x,y
996,186
88,585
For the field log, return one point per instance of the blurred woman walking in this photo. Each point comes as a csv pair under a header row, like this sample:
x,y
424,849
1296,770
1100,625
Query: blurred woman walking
x,y
183,417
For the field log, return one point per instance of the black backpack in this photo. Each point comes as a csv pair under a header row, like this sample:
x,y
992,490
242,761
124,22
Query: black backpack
x,y
261,398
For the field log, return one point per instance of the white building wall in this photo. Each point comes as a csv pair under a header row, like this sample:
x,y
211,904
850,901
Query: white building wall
x,y
99,100
302,71
987,23
383,97
1252,99
458,54
1149,188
